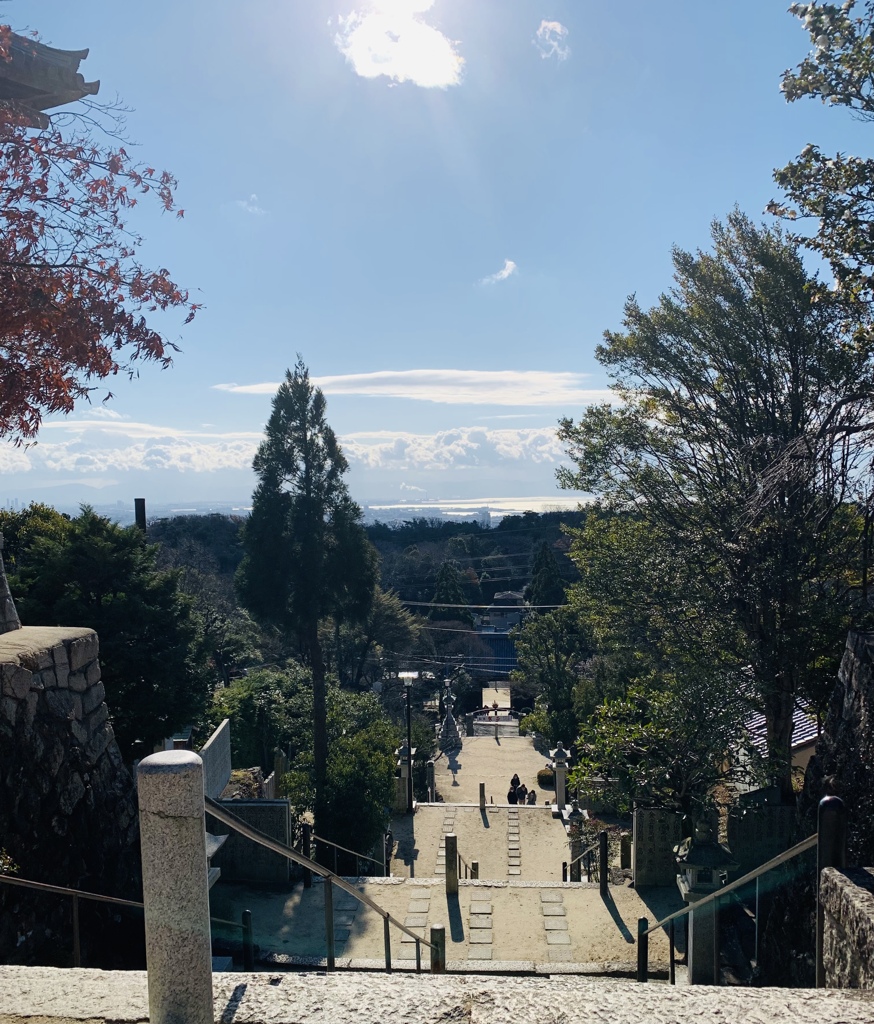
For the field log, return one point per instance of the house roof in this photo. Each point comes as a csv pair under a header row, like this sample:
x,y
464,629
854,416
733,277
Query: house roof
x,y
37,77
804,728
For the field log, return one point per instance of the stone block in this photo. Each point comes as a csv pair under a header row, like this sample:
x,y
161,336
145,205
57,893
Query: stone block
x,y
59,656
419,906
552,910
480,906
416,920
63,704
550,896
27,710
480,920
76,681
16,681
83,651
8,709
62,675
93,698
558,939
71,794
480,935
98,743
555,924
92,673
479,953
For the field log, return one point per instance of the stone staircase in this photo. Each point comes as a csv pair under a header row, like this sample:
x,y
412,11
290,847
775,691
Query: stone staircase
x,y
50,996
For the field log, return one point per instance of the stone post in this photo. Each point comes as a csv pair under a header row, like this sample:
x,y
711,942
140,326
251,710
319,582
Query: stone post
x,y
175,894
438,949
482,796
559,760
451,864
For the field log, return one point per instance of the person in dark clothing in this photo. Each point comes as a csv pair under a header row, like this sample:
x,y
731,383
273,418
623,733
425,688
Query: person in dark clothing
x,y
521,793
514,782
511,795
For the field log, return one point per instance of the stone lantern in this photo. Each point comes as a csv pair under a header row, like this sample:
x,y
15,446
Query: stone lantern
x,y
703,864
560,758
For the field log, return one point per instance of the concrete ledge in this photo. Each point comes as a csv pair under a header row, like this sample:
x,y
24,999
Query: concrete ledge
x,y
121,998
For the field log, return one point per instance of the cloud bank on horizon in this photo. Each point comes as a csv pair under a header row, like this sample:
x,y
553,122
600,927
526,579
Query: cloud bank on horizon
x,y
453,387
390,38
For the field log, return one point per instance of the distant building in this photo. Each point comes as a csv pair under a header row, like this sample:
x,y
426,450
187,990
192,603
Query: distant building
x,y
507,611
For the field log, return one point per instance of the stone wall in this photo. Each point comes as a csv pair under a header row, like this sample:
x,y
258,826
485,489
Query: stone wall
x,y
656,832
848,936
240,859
67,803
216,757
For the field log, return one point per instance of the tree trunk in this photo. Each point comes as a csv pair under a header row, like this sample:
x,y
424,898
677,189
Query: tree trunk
x,y
320,721
779,710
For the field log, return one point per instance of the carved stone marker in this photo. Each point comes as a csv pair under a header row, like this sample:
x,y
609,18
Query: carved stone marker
x,y
657,831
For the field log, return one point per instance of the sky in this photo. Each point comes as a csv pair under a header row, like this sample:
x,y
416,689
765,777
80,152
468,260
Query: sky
x,y
439,204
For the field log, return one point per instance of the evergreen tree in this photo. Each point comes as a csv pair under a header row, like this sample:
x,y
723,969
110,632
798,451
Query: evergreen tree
x,y
546,586
449,592
307,556
92,572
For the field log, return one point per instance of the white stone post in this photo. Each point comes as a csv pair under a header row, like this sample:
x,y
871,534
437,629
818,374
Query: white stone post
x,y
175,892
560,760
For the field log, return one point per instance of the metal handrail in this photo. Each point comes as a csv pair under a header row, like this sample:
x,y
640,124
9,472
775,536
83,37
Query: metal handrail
x,y
62,890
589,849
77,894
355,853
219,812
774,862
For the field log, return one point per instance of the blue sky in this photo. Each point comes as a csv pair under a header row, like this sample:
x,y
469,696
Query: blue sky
x,y
441,204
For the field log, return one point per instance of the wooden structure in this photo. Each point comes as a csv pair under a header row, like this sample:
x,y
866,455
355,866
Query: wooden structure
x,y
35,77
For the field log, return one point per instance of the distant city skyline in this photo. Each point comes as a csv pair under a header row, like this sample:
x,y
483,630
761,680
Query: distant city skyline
x,y
441,205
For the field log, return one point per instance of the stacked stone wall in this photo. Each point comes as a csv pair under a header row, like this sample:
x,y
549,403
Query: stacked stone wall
x,y
848,934
67,803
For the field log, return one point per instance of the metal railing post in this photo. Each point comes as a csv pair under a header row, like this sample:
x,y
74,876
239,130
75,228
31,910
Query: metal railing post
x,y
386,854
672,944
482,796
604,869
386,934
642,949
831,852
474,869
757,922
564,870
451,864
717,952
329,923
248,942
418,957
77,945
175,891
306,850
438,949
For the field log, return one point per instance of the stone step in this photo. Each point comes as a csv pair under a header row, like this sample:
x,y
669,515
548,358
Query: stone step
x,y
54,995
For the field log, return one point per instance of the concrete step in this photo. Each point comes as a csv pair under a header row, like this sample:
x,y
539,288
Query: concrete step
x,y
52,995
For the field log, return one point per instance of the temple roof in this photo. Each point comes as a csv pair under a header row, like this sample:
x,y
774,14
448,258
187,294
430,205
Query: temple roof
x,y
39,77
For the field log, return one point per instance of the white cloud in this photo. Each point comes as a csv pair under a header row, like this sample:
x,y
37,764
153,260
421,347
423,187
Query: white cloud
x,y
412,487
509,268
459,448
453,387
251,206
391,39
550,40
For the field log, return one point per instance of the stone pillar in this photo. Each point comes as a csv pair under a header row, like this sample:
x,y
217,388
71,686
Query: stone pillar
x,y
559,760
482,796
451,864
701,946
175,894
8,614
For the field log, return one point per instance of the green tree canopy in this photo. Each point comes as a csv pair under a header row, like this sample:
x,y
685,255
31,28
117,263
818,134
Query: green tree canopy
x,y
743,432
307,556
546,586
450,594
835,190
91,572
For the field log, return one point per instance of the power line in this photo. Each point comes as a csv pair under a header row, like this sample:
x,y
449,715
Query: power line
x,y
493,607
